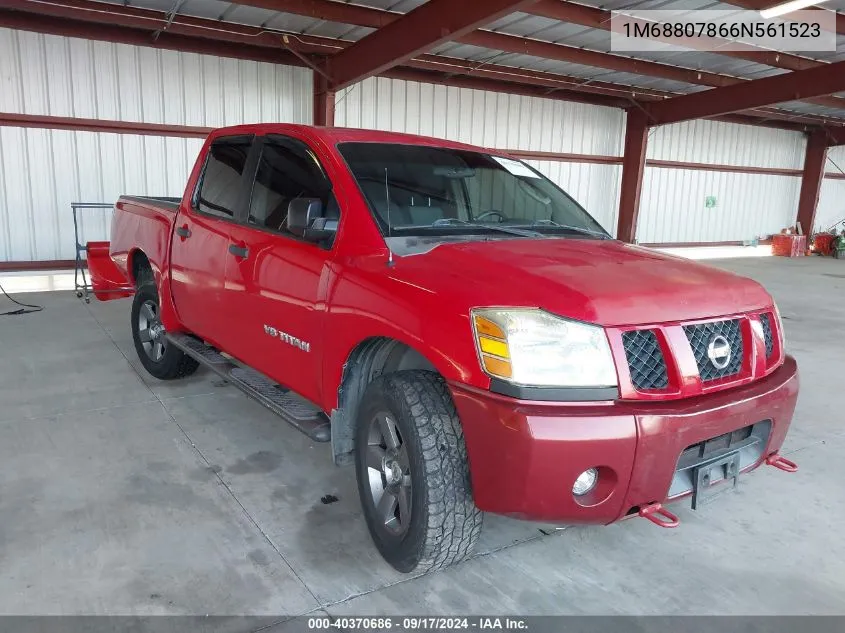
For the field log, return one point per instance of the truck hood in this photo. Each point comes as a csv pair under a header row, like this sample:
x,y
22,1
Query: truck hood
x,y
597,281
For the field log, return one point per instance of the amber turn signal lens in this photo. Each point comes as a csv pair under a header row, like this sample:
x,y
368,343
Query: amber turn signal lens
x,y
497,366
486,326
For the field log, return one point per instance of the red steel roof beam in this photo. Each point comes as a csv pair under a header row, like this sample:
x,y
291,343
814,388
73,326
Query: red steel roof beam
x,y
417,31
803,84
123,35
324,101
633,165
600,19
329,10
375,18
197,30
482,83
811,180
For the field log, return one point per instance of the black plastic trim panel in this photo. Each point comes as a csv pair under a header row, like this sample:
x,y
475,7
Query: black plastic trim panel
x,y
554,394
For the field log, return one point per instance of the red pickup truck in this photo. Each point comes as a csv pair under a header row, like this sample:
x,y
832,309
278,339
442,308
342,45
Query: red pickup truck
x,y
456,326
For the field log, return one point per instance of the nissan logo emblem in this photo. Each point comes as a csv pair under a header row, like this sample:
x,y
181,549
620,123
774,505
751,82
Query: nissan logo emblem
x,y
719,351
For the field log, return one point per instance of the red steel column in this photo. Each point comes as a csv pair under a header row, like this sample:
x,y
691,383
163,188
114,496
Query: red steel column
x,y
811,181
633,162
323,101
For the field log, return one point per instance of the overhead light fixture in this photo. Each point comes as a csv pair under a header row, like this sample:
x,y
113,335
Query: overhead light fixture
x,y
788,7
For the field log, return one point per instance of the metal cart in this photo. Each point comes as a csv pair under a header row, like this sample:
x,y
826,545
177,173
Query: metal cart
x,y
82,284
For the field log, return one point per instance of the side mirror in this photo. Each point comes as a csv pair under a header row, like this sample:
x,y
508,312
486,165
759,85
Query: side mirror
x,y
302,212
322,230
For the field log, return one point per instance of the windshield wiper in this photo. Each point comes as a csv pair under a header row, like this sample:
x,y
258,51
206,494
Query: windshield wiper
x,y
442,222
569,227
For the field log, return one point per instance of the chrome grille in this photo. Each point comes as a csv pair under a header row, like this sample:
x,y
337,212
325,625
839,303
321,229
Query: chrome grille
x,y
645,359
700,336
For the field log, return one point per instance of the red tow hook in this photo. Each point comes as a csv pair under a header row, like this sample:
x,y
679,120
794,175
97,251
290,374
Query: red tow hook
x,y
655,510
779,461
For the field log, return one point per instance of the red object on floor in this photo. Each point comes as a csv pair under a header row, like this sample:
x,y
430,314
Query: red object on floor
x,y
823,243
789,245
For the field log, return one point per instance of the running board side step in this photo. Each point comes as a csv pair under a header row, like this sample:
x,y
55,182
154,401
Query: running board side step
x,y
296,411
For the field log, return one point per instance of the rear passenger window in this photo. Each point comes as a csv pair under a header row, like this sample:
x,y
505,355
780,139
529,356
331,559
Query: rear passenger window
x,y
221,180
288,169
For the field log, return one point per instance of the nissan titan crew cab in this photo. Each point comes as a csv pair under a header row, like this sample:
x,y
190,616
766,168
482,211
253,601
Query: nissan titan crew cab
x,y
457,327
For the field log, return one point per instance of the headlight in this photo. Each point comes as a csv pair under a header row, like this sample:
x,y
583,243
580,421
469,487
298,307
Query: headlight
x,y
534,348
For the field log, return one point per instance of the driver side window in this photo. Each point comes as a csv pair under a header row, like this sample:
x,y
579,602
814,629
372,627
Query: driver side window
x,y
287,170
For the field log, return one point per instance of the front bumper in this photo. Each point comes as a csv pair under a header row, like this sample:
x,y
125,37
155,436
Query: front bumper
x,y
525,456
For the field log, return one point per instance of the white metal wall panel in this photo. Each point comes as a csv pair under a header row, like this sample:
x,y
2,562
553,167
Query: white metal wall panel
x,y
831,208
672,207
488,119
68,77
832,196
43,171
721,143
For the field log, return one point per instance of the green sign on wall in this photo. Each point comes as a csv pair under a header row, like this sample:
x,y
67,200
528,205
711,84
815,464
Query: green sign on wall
x,y
709,202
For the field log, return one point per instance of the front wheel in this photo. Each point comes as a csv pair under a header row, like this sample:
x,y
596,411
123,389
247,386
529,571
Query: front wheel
x,y
163,361
413,475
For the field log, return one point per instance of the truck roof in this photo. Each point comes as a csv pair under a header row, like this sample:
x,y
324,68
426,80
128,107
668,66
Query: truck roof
x,y
334,135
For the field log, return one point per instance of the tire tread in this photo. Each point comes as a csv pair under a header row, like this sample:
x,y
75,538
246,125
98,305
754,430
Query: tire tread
x,y
453,522
175,364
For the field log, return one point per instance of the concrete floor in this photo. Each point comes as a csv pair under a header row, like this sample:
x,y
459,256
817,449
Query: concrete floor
x,y
121,494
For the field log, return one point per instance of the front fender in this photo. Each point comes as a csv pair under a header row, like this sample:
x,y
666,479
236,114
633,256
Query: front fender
x,y
367,306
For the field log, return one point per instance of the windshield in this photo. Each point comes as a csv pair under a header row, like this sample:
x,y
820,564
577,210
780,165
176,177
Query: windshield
x,y
419,190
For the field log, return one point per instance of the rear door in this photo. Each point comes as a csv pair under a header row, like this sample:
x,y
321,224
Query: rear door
x,y
201,238
275,280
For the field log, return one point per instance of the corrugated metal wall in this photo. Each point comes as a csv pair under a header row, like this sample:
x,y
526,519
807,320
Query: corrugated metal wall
x,y
832,197
43,171
672,206
727,144
500,121
53,168
60,76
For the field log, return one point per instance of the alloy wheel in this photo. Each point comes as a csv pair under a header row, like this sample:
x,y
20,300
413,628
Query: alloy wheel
x,y
151,331
389,474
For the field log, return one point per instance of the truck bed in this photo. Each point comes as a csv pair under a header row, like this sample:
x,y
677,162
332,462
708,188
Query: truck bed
x,y
142,223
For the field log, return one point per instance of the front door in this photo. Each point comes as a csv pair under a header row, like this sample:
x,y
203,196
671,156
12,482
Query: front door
x,y
201,238
275,280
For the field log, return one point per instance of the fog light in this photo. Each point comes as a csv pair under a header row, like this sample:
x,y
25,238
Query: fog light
x,y
586,481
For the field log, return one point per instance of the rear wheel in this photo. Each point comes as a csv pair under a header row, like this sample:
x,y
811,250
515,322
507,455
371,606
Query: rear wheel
x,y
165,362
413,476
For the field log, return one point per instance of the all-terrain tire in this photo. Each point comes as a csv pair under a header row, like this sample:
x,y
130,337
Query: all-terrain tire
x,y
444,523
173,362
